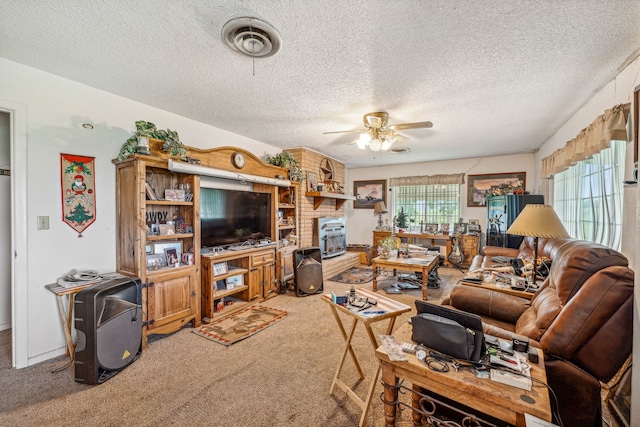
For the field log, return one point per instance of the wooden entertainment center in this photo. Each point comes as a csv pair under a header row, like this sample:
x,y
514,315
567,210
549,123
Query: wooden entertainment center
x,y
181,293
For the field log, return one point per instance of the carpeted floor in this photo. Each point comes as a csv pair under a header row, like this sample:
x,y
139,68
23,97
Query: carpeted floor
x,y
279,377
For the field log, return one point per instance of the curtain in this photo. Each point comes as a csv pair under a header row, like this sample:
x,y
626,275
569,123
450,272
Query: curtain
x,y
457,178
612,125
588,196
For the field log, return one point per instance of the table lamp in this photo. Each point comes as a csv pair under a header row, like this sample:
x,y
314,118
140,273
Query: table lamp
x,y
538,221
379,209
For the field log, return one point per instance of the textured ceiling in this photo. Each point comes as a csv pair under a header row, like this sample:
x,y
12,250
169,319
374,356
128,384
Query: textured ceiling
x,y
494,76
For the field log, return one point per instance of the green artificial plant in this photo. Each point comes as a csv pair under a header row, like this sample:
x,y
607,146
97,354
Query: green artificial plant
x,y
286,160
402,219
171,145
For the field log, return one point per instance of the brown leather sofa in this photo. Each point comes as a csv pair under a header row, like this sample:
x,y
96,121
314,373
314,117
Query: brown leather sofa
x,y
546,249
581,317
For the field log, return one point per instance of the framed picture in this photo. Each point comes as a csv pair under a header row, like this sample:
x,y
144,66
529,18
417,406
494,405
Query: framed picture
x,y
174,195
461,228
151,195
172,256
158,248
368,193
431,228
155,262
478,186
220,268
444,228
312,181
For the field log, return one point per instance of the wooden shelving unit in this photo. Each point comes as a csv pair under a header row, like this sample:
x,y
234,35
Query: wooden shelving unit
x,y
320,196
257,267
170,294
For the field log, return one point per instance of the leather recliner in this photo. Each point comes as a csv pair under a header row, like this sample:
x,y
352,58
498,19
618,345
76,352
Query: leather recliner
x,y
581,317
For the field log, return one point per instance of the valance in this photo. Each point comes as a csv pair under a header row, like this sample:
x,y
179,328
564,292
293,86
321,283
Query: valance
x,y
456,178
612,125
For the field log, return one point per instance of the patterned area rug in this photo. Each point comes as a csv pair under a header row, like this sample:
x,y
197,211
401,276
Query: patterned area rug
x,y
354,275
241,325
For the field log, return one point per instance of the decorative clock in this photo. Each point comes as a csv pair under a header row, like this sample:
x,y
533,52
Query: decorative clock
x,y
238,160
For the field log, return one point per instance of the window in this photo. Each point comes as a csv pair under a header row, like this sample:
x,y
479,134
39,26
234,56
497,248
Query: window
x,y
429,204
588,196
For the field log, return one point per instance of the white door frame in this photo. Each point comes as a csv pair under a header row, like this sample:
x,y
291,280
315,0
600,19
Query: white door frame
x,y
19,276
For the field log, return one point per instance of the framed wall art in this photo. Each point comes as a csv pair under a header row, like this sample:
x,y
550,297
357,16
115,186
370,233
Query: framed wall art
x,y
368,193
312,181
478,186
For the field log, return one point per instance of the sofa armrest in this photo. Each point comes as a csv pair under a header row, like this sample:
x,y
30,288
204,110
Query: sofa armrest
x,y
491,251
488,303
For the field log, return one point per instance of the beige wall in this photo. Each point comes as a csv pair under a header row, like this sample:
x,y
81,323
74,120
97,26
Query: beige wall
x,y
362,222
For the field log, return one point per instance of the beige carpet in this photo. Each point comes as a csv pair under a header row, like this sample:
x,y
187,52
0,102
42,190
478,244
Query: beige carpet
x,y
279,377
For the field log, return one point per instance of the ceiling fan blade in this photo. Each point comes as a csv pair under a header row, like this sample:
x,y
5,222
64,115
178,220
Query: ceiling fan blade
x,y
345,131
416,125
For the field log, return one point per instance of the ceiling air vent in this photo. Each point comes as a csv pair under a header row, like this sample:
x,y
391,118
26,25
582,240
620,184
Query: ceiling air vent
x,y
399,150
252,37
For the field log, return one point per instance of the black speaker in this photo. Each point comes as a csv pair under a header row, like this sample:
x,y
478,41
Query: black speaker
x,y
108,320
307,269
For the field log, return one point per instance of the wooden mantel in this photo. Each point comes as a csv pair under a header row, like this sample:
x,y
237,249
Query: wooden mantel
x,y
320,196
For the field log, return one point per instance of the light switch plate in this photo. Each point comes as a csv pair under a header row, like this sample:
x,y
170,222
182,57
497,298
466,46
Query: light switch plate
x,y
43,223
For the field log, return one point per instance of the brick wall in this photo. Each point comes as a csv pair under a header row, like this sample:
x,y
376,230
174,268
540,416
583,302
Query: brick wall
x,y
310,162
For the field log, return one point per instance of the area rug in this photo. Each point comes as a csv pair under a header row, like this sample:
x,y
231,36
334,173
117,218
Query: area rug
x,y
241,325
354,275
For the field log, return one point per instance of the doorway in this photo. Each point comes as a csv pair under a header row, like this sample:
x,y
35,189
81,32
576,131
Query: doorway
x,y
17,119
5,212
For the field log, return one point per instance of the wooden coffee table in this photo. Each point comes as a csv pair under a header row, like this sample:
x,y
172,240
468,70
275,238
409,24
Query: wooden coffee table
x,y
417,263
501,401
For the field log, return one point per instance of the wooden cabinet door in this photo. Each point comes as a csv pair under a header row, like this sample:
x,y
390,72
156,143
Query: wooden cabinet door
x,y
172,299
255,283
269,279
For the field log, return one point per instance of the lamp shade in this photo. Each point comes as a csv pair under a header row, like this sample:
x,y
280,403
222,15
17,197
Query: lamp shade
x,y
380,208
538,221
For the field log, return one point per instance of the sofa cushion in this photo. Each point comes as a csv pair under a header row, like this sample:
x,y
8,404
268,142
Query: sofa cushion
x,y
576,261
544,309
498,305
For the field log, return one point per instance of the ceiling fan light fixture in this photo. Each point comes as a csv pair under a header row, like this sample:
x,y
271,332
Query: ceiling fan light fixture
x,y
375,144
386,144
365,137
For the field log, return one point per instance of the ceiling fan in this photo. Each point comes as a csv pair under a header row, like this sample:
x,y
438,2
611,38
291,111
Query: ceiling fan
x,y
378,134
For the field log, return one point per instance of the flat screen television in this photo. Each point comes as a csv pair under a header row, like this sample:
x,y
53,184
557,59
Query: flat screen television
x,y
229,217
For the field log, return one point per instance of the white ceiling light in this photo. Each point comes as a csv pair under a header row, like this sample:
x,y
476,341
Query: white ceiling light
x,y
375,144
376,139
252,37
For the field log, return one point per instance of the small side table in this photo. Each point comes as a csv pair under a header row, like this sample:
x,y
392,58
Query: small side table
x,y
391,309
66,314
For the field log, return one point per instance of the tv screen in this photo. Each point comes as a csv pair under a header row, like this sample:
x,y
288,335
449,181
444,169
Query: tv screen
x,y
230,217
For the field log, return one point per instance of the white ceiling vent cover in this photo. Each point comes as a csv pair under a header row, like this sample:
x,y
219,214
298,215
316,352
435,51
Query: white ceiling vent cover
x,y
252,37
